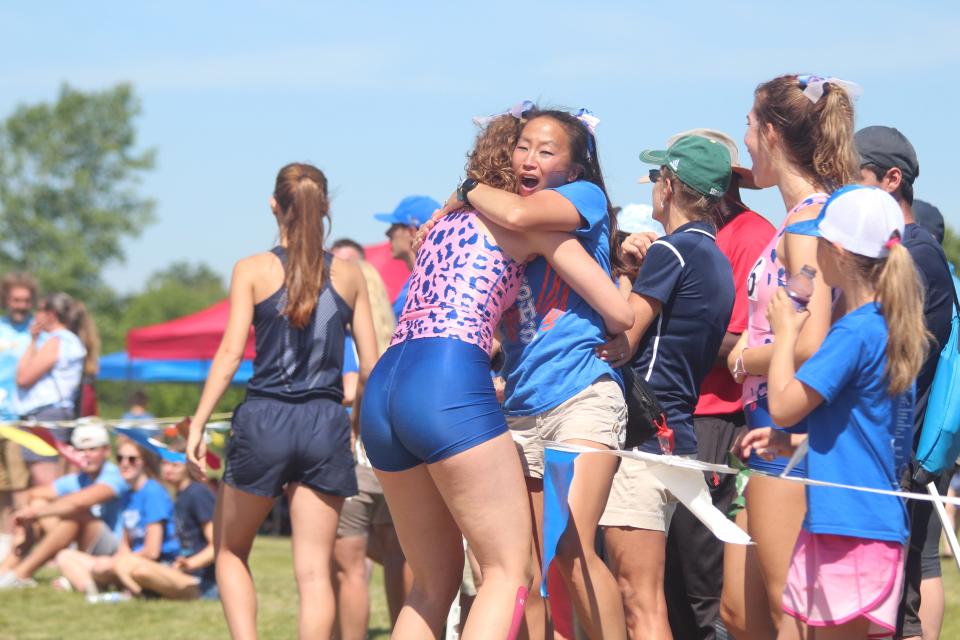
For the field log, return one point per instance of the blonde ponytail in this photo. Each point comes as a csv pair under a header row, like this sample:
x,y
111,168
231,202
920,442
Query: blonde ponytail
x,y
835,159
901,302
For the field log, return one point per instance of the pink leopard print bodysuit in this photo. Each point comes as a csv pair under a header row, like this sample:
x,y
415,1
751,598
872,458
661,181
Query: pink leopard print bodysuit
x,y
461,285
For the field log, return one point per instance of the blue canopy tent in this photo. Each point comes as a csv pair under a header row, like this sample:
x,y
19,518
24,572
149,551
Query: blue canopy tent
x,y
117,366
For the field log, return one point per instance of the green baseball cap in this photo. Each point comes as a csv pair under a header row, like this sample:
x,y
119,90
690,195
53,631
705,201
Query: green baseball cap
x,y
699,162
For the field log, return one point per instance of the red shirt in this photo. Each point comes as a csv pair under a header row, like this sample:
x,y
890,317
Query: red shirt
x,y
741,239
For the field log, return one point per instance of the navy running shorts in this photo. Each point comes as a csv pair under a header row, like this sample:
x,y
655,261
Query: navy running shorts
x,y
757,415
274,442
428,399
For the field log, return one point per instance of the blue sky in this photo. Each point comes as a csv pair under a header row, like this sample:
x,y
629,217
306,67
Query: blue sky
x,y
380,95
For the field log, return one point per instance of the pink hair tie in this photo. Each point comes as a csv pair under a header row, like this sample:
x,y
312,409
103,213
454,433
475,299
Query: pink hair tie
x,y
894,239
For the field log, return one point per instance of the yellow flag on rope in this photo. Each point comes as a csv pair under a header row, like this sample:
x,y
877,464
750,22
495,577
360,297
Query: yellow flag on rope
x,y
28,440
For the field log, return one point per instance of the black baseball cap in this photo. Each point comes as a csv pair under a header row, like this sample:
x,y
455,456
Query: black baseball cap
x,y
887,148
930,218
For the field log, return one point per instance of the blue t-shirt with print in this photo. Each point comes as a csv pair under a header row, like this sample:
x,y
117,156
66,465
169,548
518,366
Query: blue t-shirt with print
x,y
14,340
860,435
150,504
550,333
693,281
193,510
108,511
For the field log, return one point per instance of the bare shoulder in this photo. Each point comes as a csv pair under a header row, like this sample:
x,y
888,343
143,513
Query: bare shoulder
x,y
347,278
807,213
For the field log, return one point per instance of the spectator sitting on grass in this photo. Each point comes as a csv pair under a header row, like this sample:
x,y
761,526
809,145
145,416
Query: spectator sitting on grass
x,y
82,508
191,575
149,530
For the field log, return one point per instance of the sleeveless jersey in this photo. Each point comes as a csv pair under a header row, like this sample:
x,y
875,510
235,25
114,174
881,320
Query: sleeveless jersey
x,y
300,364
768,275
460,286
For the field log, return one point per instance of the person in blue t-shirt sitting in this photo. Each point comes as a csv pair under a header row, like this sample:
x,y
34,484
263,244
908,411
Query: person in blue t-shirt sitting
x,y
149,528
847,567
683,299
191,574
82,508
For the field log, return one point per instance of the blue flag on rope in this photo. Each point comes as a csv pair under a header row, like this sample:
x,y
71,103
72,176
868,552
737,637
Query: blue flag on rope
x,y
142,438
557,476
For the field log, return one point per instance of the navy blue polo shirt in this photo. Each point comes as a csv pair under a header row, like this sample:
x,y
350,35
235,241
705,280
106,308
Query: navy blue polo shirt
x,y
693,281
931,263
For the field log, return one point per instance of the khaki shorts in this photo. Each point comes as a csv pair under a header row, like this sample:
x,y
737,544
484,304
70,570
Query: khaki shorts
x,y
364,510
14,475
638,499
597,414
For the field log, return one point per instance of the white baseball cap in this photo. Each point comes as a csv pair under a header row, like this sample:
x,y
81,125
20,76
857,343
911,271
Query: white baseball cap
x,y
89,436
863,220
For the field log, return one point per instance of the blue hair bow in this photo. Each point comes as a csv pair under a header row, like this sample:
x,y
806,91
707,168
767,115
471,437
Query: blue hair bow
x,y
516,111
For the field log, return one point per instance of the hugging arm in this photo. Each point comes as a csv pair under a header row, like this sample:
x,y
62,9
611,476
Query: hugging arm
x,y
585,276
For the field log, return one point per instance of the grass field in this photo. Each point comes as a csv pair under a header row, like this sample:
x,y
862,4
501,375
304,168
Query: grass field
x,y
41,613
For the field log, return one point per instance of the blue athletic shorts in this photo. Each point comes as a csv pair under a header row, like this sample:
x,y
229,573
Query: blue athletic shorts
x,y
758,415
274,442
428,399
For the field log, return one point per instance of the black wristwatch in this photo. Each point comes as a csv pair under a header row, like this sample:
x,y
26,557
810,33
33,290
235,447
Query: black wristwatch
x,y
465,188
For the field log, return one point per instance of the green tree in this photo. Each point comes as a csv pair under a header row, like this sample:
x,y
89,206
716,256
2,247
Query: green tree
x,y
176,291
69,172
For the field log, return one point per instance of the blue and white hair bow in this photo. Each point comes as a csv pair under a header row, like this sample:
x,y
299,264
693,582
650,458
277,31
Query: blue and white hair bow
x,y
516,111
813,86
590,121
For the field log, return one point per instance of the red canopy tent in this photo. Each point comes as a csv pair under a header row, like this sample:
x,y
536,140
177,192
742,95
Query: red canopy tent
x,y
197,336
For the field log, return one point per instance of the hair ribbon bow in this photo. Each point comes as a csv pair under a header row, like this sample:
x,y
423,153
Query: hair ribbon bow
x,y
813,86
516,111
590,121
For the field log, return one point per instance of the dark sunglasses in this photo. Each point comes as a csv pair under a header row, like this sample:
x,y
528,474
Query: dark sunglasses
x,y
654,175
130,459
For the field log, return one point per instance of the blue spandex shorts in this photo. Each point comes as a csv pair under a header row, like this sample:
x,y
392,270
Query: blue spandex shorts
x,y
428,399
758,415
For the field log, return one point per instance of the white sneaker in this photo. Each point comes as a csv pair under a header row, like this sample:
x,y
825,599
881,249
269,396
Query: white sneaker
x,y
9,580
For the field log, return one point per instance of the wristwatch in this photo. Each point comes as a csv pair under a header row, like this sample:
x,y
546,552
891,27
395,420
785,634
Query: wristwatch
x,y
464,189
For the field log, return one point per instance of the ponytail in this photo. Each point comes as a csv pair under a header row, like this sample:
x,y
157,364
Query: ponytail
x,y
901,302
817,137
301,195
835,157
82,324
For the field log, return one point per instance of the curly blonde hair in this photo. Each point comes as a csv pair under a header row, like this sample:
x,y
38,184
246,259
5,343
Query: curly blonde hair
x,y
491,160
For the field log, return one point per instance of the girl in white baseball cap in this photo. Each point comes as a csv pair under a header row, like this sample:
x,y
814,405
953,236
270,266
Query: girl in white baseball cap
x,y
846,570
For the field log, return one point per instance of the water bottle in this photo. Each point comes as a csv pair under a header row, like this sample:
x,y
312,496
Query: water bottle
x,y
800,287
111,597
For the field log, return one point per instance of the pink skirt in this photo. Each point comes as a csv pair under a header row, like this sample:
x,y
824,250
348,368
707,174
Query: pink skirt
x,y
835,579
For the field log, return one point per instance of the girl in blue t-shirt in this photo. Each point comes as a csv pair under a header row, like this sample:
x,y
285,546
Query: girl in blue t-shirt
x,y
149,527
557,389
846,570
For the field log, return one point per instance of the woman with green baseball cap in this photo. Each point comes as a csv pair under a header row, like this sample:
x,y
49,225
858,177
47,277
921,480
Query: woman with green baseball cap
x,y
682,298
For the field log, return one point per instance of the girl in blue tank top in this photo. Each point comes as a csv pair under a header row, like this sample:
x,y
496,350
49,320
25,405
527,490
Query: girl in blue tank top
x,y
557,388
291,434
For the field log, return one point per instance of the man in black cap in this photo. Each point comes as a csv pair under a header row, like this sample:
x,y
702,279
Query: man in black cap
x,y
889,161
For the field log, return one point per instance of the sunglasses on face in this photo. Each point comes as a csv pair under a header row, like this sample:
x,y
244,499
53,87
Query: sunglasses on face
x,y
654,175
129,459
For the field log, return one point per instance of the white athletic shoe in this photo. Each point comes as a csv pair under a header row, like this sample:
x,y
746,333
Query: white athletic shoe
x,y
9,580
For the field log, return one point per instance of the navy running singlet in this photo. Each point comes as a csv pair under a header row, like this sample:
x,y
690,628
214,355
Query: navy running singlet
x,y
300,364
